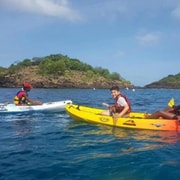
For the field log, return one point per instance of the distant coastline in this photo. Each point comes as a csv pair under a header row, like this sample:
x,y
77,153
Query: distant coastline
x,y
59,71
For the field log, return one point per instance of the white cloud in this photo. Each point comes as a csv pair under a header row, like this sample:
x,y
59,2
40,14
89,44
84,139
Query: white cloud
x,y
176,12
111,10
147,39
60,9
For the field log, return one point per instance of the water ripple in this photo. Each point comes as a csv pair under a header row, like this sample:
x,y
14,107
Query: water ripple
x,y
55,146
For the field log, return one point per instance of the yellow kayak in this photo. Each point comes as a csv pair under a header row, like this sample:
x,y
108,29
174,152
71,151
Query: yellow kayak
x,y
136,120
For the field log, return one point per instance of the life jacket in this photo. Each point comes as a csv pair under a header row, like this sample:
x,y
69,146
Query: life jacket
x,y
20,98
120,108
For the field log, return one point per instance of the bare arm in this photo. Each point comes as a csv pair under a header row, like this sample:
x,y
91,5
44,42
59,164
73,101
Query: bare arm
x,y
123,112
34,102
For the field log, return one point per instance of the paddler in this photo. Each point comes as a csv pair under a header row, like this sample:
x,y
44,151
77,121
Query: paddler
x,y
22,98
121,107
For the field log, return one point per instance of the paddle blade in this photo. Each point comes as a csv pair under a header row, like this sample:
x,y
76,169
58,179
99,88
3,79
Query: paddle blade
x,y
171,102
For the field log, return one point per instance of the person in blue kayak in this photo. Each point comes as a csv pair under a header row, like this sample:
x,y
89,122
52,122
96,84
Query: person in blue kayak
x,y
121,107
22,98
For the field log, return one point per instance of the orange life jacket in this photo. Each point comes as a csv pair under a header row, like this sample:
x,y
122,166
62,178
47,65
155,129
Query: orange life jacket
x,y
20,99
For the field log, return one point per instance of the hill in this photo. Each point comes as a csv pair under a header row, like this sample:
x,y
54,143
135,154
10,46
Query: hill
x,y
59,71
171,81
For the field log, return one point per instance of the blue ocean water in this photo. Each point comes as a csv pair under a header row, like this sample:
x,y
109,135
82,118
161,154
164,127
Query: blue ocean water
x,y
55,146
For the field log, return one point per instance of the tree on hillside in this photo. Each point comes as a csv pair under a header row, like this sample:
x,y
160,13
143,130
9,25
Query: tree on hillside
x,y
48,67
37,60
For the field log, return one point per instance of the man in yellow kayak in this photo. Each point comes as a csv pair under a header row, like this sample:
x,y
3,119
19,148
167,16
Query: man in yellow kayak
x,y
22,98
121,107
171,112
168,113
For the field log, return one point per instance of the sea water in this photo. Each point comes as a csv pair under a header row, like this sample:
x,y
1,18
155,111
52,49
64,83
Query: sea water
x,y
55,146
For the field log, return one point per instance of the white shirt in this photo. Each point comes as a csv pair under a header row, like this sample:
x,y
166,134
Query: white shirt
x,y
121,101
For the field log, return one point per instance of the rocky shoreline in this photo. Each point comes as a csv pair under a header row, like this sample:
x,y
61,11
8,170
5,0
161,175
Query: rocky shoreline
x,y
77,80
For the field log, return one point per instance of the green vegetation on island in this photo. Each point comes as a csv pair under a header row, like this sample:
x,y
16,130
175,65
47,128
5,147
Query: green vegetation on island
x,y
171,81
59,71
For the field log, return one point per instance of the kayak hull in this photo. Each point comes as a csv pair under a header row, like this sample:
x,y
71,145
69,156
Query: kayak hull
x,y
136,120
45,107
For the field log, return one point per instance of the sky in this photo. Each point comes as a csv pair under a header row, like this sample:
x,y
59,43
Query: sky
x,y
138,39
